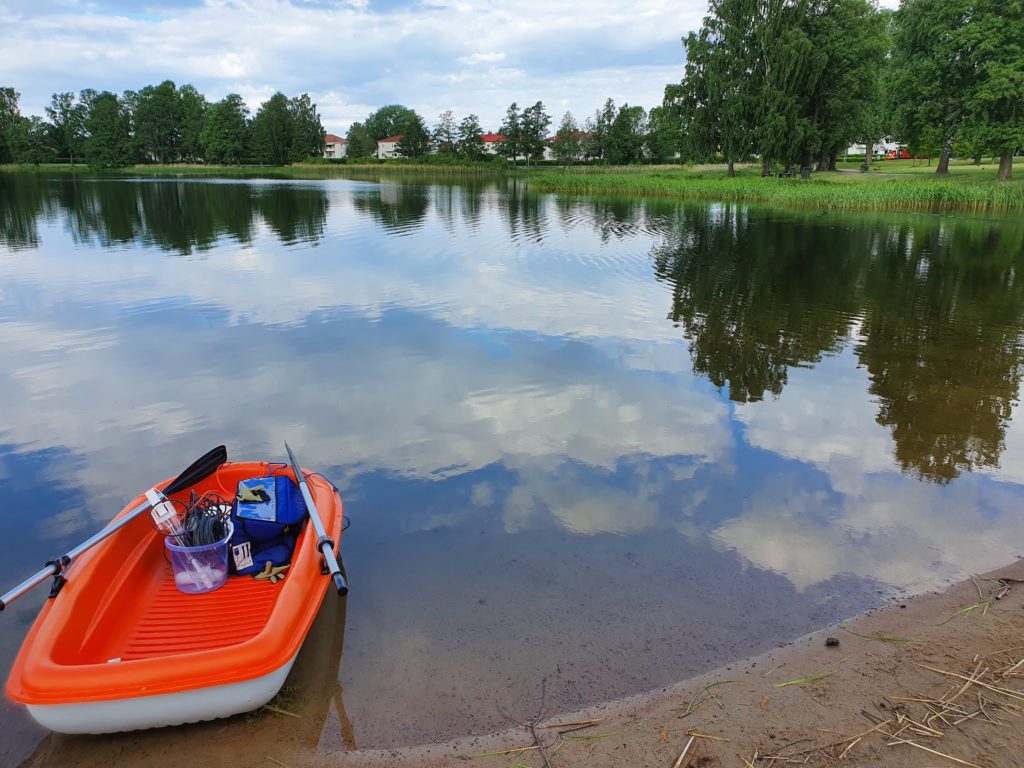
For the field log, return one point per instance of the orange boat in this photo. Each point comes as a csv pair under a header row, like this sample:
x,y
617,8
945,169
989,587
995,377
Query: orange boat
x,y
121,648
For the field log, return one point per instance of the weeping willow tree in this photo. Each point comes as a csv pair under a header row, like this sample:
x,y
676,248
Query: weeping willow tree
x,y
781,80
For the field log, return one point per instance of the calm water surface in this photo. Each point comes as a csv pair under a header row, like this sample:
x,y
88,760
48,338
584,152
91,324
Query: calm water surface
x,y
588,448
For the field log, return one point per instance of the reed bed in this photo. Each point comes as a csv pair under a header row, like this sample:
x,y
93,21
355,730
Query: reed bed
x,y
833,191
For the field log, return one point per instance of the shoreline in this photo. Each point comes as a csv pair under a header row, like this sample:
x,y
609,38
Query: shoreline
x,y
802,701
969,189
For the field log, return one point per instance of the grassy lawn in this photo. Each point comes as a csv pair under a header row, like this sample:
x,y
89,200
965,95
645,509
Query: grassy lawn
x,y
958,167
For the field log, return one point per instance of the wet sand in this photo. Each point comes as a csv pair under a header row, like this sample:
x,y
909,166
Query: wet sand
x,y
874,684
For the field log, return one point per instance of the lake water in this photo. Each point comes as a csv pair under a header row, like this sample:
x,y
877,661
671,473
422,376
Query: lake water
x,y
588,447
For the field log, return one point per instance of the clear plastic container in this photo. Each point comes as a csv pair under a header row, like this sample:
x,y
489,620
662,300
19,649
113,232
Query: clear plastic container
x,y
199,569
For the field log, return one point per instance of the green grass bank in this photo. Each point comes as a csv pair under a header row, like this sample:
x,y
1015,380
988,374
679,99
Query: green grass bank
x,y
891,187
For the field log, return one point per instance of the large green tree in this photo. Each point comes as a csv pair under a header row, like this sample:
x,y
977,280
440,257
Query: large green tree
x,y
535,123
567,146
716,98
932,74
67,119
225,134
415,141
307,132
360,142
193,109
157,117
272,131
31,139
842,107
786,68
389,120
664,134
512,130
626,136
10,115
446,133
786,80
109,141
995,37
596,143
470,138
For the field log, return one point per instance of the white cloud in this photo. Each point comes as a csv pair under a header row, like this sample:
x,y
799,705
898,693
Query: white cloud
x,y
430,56
897,530
825,416
481,58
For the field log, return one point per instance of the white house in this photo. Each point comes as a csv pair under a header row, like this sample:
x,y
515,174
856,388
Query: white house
x,y
879,148
334,146
491,142
549,153
387,148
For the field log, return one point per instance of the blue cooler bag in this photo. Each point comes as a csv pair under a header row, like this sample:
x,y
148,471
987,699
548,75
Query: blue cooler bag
x,y
268,515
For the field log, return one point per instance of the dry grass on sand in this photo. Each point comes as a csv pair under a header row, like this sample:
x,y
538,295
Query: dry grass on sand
x,y
937,681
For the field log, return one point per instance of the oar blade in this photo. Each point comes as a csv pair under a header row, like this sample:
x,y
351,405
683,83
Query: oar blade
x,y
200,469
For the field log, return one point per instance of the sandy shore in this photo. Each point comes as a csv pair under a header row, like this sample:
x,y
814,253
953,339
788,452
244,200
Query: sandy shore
x,y
935,681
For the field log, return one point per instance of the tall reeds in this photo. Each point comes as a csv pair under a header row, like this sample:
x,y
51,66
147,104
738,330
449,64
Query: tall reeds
x,y
823,191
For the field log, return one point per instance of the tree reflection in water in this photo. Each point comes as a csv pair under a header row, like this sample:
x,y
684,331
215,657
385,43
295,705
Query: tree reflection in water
x,y
934,306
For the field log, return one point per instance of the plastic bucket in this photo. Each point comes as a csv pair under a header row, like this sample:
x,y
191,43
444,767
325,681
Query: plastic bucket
x,y
199,569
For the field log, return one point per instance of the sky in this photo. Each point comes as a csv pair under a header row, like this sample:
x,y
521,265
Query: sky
x,y
353,56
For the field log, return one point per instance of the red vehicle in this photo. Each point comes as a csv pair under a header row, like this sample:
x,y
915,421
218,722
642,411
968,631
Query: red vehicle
x,y
897,154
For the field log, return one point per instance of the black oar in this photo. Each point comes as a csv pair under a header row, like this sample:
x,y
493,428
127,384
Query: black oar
x,y
201,468
323,541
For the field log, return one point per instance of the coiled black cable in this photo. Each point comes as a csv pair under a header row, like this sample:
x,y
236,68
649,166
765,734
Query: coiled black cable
x,y
205,520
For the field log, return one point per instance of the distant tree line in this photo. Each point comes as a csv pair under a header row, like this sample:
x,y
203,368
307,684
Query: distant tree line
x,y
614,135
798,81
160,124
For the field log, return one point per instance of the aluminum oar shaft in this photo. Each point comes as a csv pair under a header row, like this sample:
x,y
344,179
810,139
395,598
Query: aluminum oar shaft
x,y
323,542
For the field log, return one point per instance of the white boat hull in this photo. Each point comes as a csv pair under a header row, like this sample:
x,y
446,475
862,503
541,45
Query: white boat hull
x,y
163,709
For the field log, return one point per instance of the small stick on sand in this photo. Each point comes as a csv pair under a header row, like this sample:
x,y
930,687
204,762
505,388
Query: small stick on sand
x,y
682,755
996,688
281,712
565,728
577,724
861,735
700,735
503,752
934,752
536,740
978,587
851,745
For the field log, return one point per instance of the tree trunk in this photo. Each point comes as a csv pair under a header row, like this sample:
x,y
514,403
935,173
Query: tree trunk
x,y
942,169
822,164
732,170
1006,167
869,151
766,166
977,159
